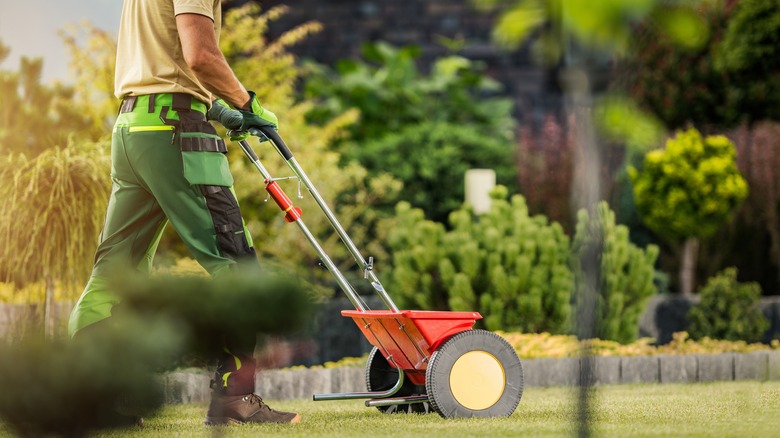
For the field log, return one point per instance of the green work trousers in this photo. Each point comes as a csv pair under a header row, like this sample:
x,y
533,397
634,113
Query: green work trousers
x,y
159,177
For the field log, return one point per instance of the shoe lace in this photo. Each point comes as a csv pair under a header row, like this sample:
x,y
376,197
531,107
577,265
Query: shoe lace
x,y
255,399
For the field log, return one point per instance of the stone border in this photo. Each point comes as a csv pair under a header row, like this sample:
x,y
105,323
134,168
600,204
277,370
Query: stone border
x,y
192,386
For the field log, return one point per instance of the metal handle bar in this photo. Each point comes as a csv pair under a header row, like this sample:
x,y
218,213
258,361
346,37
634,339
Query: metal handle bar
x,y
367,267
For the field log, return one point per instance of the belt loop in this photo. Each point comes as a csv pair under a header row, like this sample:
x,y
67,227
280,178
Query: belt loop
x,y
181,102
151,103
128,103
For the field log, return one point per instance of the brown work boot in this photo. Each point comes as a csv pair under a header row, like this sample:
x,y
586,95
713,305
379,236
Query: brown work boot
x,y
240,409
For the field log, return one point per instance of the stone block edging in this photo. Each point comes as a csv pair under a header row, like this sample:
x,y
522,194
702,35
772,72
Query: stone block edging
x,y
192,386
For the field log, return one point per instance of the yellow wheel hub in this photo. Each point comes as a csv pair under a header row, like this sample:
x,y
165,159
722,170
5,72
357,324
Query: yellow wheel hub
x,y
477,380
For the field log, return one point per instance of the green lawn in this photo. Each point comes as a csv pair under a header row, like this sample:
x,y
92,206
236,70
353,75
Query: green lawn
x,y
738,409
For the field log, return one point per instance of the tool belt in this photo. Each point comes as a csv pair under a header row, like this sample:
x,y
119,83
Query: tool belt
x,y
188,120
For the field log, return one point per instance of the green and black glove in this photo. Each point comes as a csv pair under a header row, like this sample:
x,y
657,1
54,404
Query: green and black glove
x,y
241,122
257,116
228,117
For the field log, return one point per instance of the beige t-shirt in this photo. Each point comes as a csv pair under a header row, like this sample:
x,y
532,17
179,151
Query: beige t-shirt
x,y
149,56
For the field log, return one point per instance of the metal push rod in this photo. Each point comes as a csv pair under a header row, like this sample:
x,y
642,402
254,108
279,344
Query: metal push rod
x,y
343,283
367,267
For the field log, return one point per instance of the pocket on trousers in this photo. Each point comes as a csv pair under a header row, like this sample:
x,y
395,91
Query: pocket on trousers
x,y
228,225
206,168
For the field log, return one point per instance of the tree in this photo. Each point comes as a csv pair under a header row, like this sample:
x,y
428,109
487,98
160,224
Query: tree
x,y
688,191
92,63
33,116
54,209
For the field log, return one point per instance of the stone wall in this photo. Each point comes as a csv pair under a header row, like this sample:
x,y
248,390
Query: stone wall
x,y
191,386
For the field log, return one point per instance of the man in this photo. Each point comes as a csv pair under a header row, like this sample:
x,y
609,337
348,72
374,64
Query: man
x,y
168,164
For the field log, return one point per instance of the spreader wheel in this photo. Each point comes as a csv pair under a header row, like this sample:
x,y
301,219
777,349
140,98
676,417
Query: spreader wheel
x,y
475,373
381,376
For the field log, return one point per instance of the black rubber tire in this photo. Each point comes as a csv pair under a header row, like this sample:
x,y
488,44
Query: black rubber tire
x,y
381,376
507,390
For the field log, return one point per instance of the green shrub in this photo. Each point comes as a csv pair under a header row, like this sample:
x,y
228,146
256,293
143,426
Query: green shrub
x,y
690,188
510,267
424,129
391,93
431,159
728,310
750,54
626,274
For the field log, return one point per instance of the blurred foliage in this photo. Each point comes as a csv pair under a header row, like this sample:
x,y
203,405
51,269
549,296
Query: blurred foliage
x,y
749,54
679,84
13,294
424,130
431,159
707,88
575,38
626,273
602,25
728,310
54,173
622,119
392,94
59,388
512,268
92,64
732,77
34,116
688,191
54,209
249,300
691,188
75,387
549,156
265,67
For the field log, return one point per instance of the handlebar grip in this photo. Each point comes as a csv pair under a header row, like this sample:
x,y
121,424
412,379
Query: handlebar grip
x,y
249,151
271,133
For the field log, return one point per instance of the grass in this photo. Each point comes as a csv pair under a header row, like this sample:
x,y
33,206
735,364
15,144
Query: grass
x,y
738,409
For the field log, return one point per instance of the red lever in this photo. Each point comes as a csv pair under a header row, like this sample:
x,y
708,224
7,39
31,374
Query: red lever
x,y
291,214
